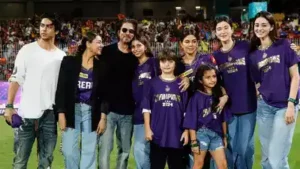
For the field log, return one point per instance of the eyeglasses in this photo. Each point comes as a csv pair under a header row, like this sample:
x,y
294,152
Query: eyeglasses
x,y
125,30
48,26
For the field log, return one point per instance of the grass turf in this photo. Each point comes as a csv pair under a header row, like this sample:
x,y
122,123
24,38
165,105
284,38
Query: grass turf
x,y
6,151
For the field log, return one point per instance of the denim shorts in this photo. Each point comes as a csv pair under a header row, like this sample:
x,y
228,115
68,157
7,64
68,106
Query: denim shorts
x,y
209,140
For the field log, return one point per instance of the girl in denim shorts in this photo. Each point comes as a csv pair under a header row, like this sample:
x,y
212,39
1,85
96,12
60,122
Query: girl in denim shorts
x,y
205,120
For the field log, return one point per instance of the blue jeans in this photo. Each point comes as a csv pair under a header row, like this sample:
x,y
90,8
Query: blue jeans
x,y
71,138
240,148
123,126
45,130
209,140
275,135
141,148
16,141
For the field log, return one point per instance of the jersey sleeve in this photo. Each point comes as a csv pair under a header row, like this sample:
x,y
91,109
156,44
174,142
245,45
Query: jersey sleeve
x,y
190,119
147,97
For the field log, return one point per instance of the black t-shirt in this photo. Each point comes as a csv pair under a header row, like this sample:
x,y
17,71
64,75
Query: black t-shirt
x,y
121,67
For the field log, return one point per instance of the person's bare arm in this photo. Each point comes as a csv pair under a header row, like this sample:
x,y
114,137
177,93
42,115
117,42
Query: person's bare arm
x,y
16,80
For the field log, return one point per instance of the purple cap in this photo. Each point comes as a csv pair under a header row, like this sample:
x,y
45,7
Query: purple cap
x,y
16,121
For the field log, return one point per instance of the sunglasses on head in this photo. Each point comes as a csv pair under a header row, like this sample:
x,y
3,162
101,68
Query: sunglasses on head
x,y
125,30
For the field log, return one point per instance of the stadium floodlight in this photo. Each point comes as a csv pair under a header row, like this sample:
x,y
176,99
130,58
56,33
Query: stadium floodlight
x,y
178,8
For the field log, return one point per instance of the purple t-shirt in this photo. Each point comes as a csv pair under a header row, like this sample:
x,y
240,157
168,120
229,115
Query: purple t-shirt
x,y
191,69
85,84
143,73
270,68
199,114
234,69
167,105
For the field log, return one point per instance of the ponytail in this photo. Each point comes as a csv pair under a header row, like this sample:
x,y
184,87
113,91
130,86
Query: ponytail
x,y
89,37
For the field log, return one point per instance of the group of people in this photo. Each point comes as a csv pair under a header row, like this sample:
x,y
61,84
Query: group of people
x,y
195,111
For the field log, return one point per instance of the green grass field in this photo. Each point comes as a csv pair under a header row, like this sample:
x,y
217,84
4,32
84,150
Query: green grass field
x,y
6,151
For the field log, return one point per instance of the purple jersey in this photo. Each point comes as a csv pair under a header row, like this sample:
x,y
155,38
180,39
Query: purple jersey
x,y
234,69
167,105
199,114
143,73
191,69
85,84
270,68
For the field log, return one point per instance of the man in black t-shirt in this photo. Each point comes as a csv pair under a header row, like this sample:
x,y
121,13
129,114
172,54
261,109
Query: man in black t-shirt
x,y
121,63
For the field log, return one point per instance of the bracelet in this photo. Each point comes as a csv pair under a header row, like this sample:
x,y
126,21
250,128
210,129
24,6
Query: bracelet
x,y
9,106
195,145
293,101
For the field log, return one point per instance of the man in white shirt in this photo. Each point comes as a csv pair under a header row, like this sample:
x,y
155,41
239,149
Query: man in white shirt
x,y
36,71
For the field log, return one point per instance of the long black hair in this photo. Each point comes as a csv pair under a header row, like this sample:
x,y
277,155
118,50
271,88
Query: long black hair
x,y
216,91
89,37
255,41
184,32
146,43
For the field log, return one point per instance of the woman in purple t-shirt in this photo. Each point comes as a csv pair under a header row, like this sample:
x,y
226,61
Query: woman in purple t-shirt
x,y
232,61
146,70
191,59
274,68
188,65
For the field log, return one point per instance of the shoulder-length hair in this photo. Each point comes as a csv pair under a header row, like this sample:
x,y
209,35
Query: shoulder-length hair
x,y
255,41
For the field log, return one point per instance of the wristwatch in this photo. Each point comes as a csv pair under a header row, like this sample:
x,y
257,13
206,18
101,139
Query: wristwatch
x,y
9,106
295,101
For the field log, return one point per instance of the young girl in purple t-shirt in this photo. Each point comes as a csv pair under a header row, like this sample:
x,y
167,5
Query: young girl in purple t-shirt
x,y
207,126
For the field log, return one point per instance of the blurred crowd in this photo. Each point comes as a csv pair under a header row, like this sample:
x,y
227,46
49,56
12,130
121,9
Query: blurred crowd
x,y
15,33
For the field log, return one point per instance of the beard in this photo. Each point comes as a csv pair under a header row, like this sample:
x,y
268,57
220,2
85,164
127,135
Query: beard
x,y
126,39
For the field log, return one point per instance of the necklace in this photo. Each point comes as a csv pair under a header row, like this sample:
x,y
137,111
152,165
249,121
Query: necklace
x,y
264,49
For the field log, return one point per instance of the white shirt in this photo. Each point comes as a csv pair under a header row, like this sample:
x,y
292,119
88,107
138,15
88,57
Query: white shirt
x,y
36,70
